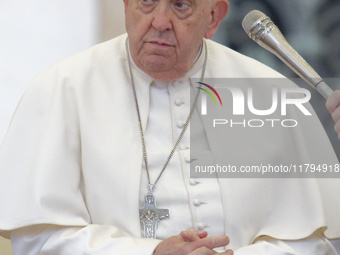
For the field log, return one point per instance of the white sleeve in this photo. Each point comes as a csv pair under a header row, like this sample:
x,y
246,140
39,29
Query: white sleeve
x,y
315,244
89,240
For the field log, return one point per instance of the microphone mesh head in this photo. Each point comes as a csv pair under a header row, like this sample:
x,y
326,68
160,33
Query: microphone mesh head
x,y
251,19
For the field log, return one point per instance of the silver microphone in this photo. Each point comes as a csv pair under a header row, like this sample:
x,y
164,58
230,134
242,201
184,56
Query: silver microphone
x,y
263,31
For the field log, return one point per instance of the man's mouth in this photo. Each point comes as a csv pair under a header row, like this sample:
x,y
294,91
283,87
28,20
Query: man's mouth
x,y
160,44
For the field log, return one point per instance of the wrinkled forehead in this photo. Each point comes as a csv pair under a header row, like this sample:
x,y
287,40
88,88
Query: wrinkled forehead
x,y
197,4
193,1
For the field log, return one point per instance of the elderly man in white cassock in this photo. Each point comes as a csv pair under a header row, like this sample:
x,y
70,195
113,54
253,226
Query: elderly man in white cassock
x,y
83,161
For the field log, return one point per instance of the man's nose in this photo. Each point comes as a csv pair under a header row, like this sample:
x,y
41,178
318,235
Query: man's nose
x,y
162,19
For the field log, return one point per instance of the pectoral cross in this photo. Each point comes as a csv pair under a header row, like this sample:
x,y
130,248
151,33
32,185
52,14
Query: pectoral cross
x,y
149,215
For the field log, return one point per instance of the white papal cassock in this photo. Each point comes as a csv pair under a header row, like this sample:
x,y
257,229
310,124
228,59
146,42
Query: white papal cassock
x,y
73,180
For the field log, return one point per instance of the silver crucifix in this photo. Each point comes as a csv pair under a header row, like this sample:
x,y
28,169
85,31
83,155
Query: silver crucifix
x,y
149,215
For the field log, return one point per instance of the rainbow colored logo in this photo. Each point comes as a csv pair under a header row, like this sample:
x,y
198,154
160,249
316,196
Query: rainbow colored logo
x,y
209,93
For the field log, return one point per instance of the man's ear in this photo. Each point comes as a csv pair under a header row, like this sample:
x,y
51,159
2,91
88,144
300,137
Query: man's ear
x,y
218,13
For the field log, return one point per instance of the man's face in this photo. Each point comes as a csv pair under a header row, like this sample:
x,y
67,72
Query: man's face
x,y
165,35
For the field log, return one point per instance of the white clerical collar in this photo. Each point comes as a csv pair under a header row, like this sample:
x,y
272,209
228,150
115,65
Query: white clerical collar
x,y
198,63
197,66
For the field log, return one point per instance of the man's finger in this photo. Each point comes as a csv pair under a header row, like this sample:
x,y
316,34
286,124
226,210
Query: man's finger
x,y
191,235
207,251
337,129
336,115
333,101
203,251
211,242
229,252
202,234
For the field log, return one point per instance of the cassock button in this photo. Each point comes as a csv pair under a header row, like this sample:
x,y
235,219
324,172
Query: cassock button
x,y
200,226
197,202
187,160
180,124
178,102
193,182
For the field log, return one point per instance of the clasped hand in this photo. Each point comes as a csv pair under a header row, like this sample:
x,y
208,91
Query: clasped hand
x,y
192,242
333,106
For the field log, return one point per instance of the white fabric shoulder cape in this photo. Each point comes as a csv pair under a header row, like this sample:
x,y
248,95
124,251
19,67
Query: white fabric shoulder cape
x,y
72,155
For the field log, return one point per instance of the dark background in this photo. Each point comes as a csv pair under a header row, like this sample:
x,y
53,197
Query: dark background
x,y
312,27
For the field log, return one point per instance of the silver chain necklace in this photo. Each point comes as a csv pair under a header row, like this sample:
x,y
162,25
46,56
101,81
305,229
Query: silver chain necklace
x,y
150,215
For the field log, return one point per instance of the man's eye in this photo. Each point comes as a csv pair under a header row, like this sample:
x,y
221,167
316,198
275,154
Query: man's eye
x,y
182,5
147,5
